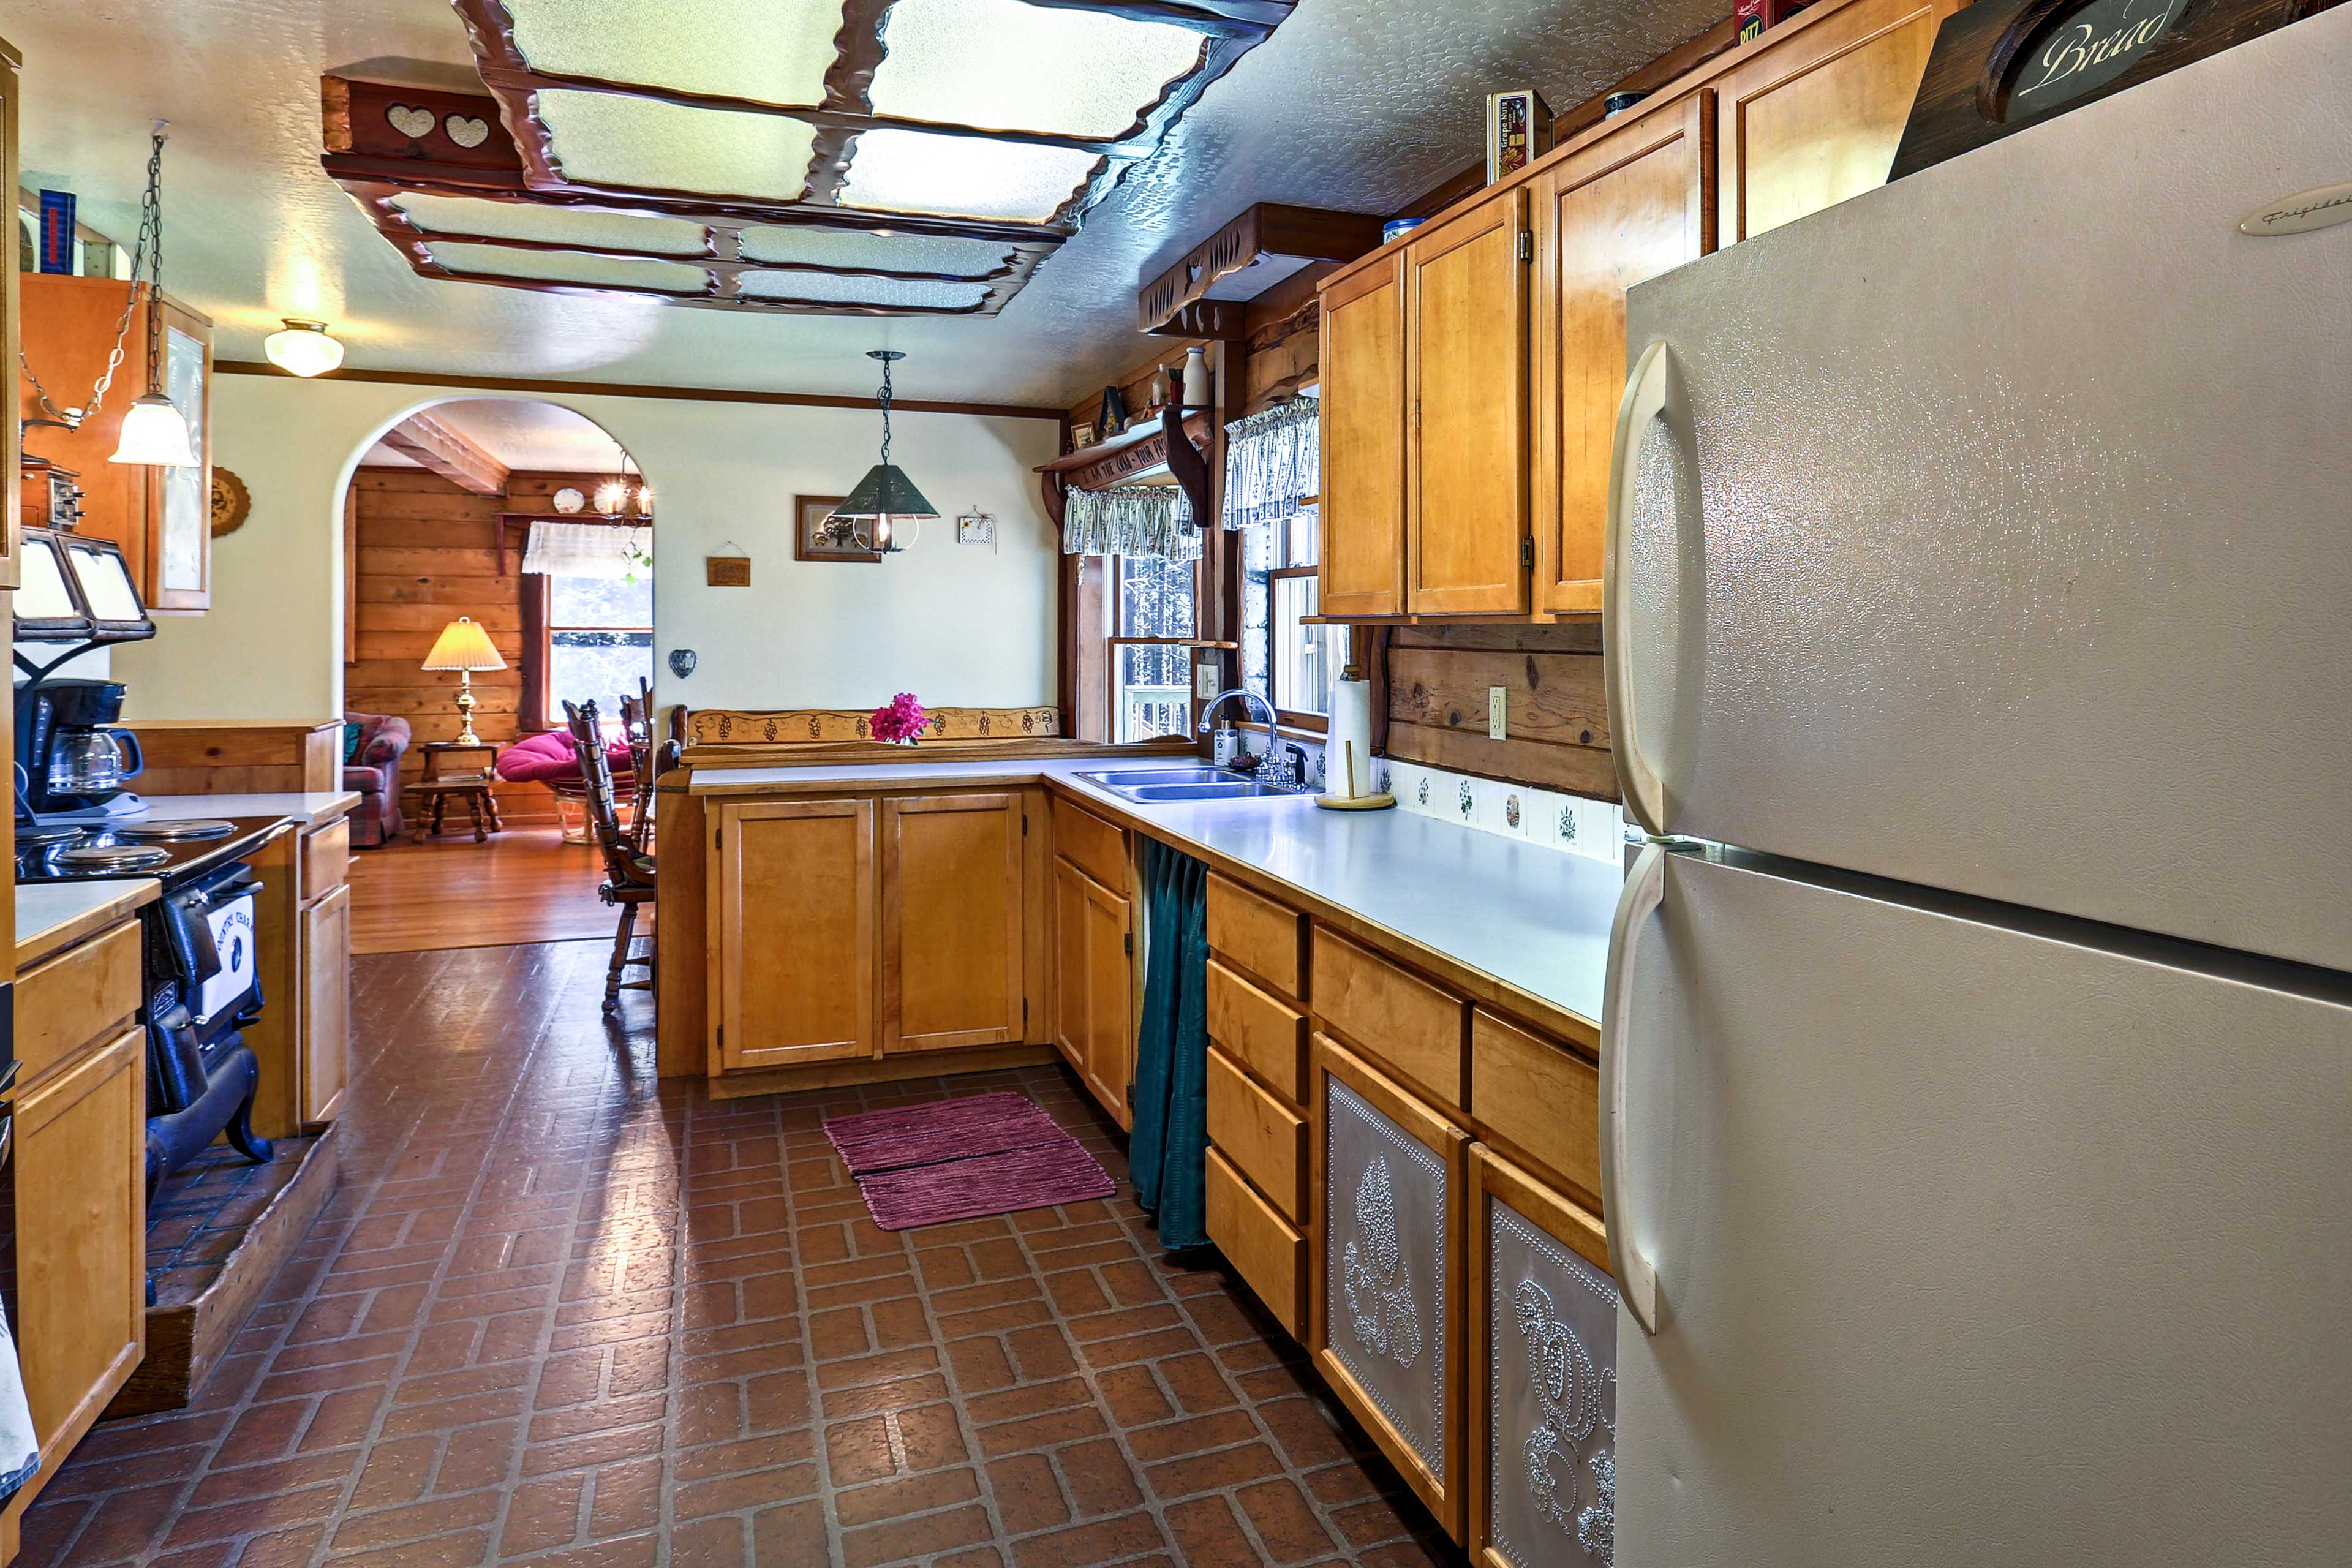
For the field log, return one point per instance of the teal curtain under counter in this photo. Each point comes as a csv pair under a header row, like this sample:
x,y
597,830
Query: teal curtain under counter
x,y
1168,1147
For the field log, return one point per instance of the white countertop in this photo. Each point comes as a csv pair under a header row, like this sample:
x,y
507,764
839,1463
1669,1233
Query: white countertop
x,y
48,912
1532,917
314,808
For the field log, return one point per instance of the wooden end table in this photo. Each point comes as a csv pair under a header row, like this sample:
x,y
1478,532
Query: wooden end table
x,y
460,772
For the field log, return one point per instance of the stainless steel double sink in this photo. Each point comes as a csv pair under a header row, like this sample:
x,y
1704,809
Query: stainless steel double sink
x,y
1161,786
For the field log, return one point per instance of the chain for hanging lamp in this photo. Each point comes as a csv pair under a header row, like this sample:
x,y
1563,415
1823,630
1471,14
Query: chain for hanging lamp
x,y
151,237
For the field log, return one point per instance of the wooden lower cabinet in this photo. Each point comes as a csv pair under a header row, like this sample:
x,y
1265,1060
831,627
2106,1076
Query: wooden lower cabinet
x,y
953,921
1270,1257
793,932
81,1236
1542,1374
326,1004
1264,1138
1391,1182
1094,986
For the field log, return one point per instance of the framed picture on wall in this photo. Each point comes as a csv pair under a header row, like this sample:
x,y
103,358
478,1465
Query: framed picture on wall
x,y
817,535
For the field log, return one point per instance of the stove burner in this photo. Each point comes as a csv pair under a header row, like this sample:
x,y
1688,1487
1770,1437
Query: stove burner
x,y
96,857
173,832
30,836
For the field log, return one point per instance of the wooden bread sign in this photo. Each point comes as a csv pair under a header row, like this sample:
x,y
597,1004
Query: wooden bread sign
x,y
2000,66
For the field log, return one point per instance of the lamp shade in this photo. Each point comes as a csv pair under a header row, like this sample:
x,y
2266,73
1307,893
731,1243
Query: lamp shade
x,y
153,432
302,347
463,645
886,491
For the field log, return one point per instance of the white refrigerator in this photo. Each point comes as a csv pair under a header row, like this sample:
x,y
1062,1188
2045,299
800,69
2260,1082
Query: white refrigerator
x,y
1977,1081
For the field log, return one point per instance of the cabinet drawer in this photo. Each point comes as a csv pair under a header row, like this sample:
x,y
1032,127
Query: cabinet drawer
x,y
1537,1097
1261,1249
1260,1136
77,996
1259,1030
1092,844
326,859
1257,934
1397,1017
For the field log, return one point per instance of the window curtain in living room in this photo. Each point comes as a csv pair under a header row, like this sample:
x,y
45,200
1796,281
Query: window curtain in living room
x,y
1272,462
1131,521
588,550
1167,1150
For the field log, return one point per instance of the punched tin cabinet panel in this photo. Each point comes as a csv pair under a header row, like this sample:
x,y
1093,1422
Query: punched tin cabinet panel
x,y
1551,1398
1386,1199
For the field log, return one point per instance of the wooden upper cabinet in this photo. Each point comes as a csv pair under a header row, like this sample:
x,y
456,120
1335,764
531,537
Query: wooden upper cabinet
x,y
1611,214
952,921
1363,411
1466,458
792,932
161,517
1815,119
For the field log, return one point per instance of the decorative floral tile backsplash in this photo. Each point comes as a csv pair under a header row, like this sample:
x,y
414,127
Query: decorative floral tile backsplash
x,y
1570,822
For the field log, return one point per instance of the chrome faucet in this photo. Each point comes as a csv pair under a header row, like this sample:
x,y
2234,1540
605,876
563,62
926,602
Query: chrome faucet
x,y
1248,697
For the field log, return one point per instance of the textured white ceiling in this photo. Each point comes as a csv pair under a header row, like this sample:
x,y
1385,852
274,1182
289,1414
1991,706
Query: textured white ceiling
x,y
1355,104
521,433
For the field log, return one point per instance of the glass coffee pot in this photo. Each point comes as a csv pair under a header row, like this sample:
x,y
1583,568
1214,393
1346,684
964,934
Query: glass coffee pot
x,y
92,761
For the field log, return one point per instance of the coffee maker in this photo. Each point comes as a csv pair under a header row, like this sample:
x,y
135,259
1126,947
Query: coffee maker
x,y
73,763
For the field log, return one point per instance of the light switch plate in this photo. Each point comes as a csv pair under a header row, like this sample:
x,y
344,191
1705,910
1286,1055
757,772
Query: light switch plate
x,y
1494,713
1204,682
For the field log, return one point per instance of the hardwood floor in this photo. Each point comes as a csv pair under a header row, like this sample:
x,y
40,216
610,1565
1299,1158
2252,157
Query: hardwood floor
x,y
523,884
563,1314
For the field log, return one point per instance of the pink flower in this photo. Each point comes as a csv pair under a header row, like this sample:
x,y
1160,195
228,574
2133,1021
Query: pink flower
x,y
900,718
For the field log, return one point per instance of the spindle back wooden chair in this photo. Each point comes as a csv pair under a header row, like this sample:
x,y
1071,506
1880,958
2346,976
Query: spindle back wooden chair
x,y
628,869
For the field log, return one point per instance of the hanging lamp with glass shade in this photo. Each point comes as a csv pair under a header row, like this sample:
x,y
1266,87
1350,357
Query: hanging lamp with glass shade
x,y
885,496
154,431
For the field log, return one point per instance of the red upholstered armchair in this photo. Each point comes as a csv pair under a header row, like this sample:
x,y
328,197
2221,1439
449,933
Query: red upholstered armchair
x,y
373,768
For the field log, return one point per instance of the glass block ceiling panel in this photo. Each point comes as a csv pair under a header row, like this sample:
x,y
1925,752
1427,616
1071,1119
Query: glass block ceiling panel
x,y
570,267
642,143
961,177
894,253
1006,65
899,293
552,226
769,51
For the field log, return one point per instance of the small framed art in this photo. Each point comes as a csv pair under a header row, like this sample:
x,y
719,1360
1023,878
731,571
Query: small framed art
x,y
818,535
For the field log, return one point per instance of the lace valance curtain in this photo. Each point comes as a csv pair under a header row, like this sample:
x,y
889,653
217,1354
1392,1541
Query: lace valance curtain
x,y
1132,520
587,550
1272,462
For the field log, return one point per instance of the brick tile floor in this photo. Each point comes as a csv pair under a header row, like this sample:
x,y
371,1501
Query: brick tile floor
x,y
562,1315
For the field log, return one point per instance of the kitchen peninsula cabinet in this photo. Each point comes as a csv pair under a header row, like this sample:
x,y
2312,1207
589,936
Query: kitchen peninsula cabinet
x,y
953,925
793,932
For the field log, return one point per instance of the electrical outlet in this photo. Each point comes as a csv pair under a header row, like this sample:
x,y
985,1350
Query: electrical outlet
x,y
1204,682
1494,713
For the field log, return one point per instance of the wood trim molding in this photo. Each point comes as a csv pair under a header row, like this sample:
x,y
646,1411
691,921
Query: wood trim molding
x,y
644,389
449,453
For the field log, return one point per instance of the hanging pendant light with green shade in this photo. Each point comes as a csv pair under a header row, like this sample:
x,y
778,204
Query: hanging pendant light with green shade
x,y
885,496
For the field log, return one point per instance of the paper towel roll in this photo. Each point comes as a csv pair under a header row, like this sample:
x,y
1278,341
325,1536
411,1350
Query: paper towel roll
x,y
1350,733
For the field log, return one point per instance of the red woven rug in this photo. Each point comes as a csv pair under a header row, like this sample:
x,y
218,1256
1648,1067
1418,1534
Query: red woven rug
x,y
964,1158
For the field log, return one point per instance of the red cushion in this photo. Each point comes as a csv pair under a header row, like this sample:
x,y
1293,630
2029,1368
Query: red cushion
x,y
541,759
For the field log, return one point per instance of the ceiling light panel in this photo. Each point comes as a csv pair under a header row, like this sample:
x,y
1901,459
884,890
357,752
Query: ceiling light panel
x,y
762,51
577,268
614,141
962,176
904,294
486,219
1007,64
876,250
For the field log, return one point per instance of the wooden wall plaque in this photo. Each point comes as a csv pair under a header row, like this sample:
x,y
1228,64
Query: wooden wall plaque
x,y
2000,66
727,570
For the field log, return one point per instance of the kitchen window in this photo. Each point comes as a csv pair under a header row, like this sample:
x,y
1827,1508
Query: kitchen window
x,y
599,643
1155,615
1290,663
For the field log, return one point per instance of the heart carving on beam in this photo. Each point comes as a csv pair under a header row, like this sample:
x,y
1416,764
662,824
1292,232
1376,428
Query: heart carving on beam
x,y
465,131
414,123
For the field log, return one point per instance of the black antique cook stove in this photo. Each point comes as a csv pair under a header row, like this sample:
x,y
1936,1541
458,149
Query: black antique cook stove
x,y
203,989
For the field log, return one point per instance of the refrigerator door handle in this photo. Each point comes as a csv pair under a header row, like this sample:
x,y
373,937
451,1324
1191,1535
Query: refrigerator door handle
x,y
1637,1277
1653,389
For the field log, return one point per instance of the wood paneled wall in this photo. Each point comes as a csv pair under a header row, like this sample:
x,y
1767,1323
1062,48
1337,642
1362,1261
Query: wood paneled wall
x,y
427,552
1556,716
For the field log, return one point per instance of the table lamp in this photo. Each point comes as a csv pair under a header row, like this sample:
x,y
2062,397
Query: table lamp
x,y
464,646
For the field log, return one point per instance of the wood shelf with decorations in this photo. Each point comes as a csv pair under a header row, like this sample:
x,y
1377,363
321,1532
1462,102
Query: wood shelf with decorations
x,y
1130,456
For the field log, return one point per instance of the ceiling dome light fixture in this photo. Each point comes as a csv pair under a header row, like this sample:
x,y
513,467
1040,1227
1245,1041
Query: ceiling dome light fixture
x,y
154,431
885,495
302,347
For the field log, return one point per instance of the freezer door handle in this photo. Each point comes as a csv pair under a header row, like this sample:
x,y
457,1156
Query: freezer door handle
x,y
1654,388
1637,1277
